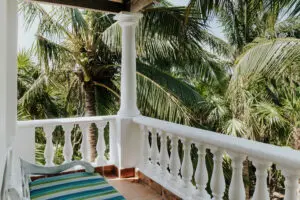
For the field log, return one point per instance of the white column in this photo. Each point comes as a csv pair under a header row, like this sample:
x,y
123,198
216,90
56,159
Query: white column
x,y
128,134
128,22
8,76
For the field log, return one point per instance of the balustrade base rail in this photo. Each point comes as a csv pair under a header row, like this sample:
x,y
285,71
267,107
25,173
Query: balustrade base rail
x,y
168,188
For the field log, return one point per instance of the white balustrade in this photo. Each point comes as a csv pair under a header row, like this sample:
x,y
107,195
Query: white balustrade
x,y
154,154
174,163
165,169
187,166
164,157
261,187
237,188
68,125
217,183
49,149
68,148
85,146
100,160
291,183
201,175
144,160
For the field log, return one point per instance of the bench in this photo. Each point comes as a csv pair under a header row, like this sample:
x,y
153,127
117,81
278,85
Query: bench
x,y
52,184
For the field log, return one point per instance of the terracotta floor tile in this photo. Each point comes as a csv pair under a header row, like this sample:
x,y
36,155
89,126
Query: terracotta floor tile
x,y
134,191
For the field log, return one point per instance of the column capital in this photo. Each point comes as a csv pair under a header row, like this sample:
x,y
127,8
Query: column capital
x,y
128,18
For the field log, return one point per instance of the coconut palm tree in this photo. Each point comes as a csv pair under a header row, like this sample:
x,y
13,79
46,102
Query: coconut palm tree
x,y
259,101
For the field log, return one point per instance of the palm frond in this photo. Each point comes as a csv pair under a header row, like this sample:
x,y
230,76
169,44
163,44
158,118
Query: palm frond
x,y
48,21
269,58
269,113
155,101
235,127
180,89
51,54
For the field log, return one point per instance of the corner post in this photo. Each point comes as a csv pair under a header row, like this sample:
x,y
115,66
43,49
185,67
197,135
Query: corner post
x,y
128,135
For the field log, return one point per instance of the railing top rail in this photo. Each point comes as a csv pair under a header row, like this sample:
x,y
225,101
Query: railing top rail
x,y
283,156
61,121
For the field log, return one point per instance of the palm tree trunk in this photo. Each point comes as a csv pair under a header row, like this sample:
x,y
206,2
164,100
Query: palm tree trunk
x,y
247,177
90,110
296,138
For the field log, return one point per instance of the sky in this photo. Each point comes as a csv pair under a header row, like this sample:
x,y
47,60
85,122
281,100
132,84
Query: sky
x,y
26,37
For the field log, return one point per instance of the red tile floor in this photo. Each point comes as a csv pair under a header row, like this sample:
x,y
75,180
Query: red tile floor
x,y
132,190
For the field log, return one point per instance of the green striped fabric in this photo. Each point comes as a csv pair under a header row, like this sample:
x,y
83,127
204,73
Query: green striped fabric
x,y
73,186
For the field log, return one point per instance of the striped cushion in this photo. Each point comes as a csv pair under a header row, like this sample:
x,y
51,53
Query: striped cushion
x,y
73,186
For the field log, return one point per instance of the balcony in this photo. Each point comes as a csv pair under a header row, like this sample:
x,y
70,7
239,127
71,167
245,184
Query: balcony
x,y
162,153
176,161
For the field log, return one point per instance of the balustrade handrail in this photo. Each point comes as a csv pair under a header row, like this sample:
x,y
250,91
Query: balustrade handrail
x,y
285,157
61,121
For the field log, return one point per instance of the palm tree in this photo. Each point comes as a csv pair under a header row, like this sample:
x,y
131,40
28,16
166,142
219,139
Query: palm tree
x,y
245,20
88,44
259,101
34,96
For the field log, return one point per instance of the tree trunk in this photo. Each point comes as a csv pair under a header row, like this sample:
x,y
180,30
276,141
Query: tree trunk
x,y
247,177
296,138
90,110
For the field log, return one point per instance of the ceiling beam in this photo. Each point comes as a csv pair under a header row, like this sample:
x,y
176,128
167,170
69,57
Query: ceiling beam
x,y
113,6
137,5
99,5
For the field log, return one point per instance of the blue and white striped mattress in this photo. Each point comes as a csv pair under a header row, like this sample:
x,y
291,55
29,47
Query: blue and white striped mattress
x,y
73,186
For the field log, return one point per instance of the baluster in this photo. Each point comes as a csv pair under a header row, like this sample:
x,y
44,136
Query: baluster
x,y
164,157
154,149
113,153
261,189
49,149
84,148
291,183
217,183
237,188
100,160
144,160
187,166
201,175
68,149
174,159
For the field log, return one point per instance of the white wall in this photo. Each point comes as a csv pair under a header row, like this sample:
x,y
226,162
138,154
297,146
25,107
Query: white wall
x,y
8,76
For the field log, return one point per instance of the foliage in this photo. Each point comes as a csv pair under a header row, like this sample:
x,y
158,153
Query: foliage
x,y
248,87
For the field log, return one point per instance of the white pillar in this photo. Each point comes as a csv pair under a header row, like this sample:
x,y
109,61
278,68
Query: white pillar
x,y
8,76
128,22
128,135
